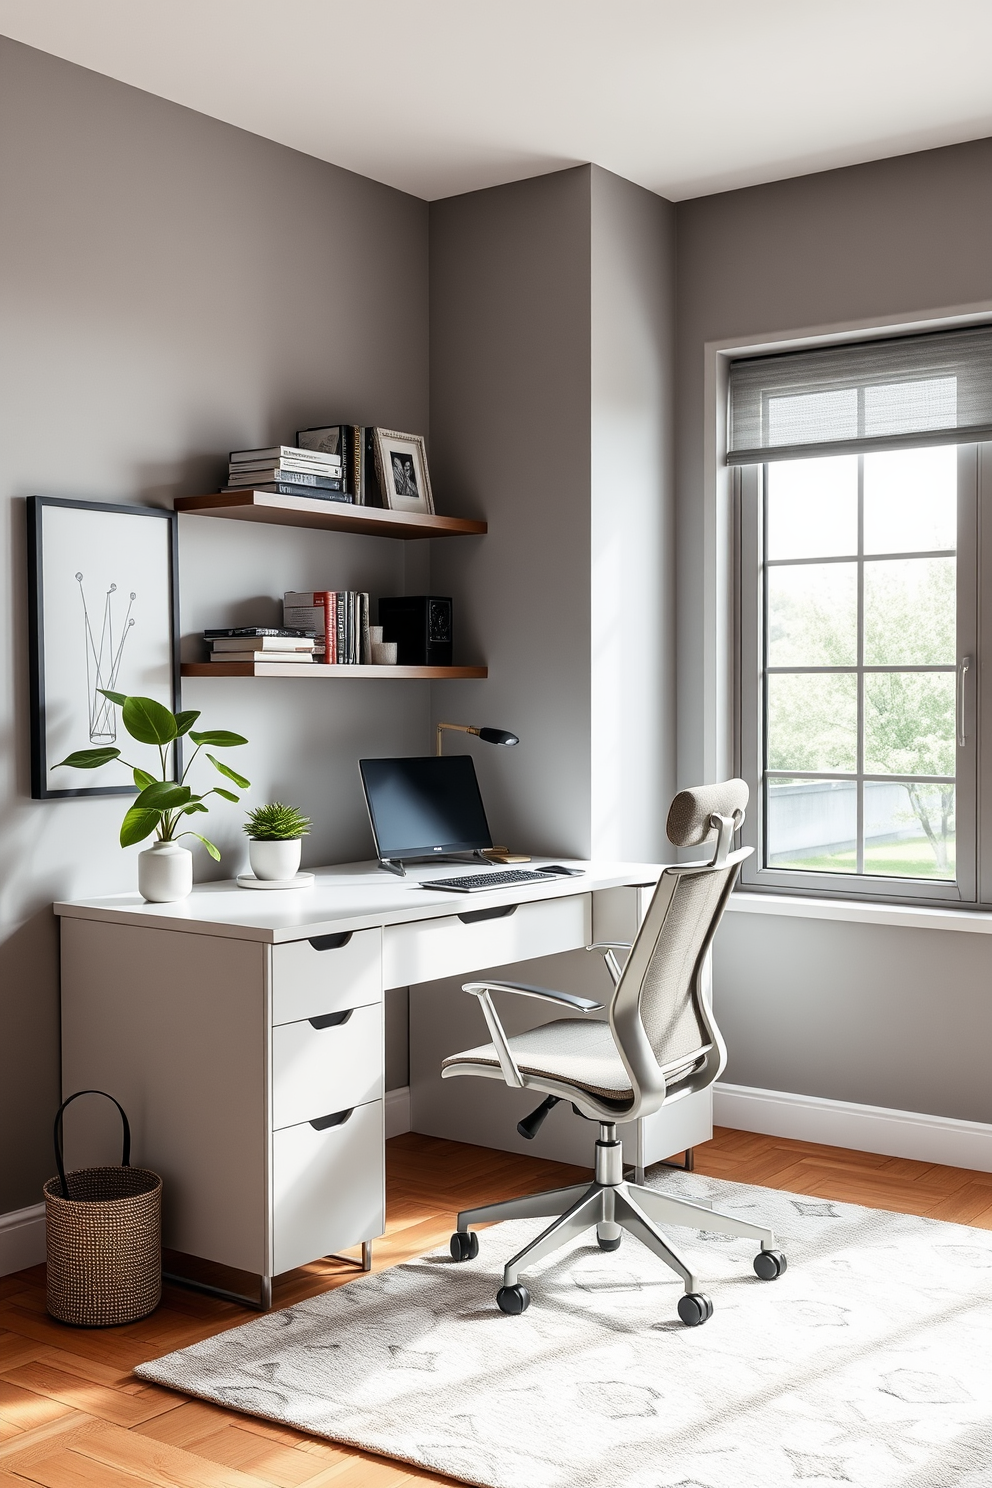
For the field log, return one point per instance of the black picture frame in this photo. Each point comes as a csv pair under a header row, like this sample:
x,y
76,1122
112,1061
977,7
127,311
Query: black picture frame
x,y
40,644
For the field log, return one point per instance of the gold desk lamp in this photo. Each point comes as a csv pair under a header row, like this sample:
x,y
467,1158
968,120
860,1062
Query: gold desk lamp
x,y
488,736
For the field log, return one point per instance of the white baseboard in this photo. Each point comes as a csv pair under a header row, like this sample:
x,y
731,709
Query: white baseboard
x,y
397,1111
22,1239
811,1118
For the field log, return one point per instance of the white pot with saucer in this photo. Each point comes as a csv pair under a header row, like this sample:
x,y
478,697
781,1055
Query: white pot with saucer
x,y
275,859
165,873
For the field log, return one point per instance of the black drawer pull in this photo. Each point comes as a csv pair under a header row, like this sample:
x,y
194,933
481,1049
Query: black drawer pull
x,y
498,912
331,942
336,1118
331,1020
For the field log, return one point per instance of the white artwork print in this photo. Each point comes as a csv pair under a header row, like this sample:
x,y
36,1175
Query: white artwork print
x,y
107,623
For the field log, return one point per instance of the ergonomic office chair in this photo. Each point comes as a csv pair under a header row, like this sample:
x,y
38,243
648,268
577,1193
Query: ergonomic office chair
x,y
659,1045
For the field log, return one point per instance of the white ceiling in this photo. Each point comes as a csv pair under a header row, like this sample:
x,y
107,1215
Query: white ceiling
x,y
436,97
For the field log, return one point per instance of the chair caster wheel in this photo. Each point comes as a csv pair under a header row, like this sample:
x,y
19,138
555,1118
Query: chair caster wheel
x,y
514,1300
695,1308
608,1244
769,1265
464,1245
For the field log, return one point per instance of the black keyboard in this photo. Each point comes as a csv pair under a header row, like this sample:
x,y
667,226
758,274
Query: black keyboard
x,y
473,883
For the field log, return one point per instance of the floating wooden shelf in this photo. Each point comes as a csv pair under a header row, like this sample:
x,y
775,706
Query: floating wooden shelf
x,y
332,516
318,672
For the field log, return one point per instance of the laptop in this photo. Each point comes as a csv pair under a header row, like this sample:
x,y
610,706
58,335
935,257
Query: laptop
x,y
430,806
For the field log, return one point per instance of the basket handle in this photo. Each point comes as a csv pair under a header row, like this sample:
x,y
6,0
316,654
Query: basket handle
x,y
59,1161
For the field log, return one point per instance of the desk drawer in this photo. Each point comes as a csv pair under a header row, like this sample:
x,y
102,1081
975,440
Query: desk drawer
x,y
317,1070
427,950
308,979
328,1187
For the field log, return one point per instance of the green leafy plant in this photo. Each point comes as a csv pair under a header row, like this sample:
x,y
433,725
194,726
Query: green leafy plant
x,y
276,823
162,803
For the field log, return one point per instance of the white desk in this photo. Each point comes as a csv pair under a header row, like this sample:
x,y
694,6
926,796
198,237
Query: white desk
x,y
242,1031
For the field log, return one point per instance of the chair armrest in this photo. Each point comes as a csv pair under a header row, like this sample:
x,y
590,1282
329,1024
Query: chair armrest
x,y
608,947
497,1032
565,999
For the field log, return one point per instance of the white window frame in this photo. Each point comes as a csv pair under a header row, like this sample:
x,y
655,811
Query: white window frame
x,y
973,884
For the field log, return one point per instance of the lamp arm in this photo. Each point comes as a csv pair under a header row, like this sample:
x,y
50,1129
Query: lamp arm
x,y
459,728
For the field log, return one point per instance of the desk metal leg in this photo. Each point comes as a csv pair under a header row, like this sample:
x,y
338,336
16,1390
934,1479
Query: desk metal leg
x,y
261,1303
686,1166
365,1264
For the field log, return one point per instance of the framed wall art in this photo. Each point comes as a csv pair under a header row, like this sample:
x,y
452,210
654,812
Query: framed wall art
x,y
401,466
103,587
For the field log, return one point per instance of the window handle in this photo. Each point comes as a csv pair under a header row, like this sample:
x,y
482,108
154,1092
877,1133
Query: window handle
x,y
964,665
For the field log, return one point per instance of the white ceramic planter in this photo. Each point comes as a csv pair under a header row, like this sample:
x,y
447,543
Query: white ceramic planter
x,y
165,872
275,859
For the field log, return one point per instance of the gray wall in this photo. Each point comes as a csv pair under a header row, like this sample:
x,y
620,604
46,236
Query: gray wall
x,y
632,560
552,412
143,334
510,439
875,1014
896,239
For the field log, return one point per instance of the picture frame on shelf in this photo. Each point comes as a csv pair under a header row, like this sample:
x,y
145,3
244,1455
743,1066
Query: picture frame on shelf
x,y
401,467
103,592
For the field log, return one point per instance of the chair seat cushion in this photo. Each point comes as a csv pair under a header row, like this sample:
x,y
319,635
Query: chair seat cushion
x,y
579,1051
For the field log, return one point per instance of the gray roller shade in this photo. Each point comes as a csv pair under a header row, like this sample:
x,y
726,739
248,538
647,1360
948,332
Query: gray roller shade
x,y
931,389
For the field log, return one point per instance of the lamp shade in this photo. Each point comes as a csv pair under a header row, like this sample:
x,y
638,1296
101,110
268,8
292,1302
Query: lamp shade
x,y
497,736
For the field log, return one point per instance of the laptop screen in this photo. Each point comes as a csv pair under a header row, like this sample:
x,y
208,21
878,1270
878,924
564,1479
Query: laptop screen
x,y
424,806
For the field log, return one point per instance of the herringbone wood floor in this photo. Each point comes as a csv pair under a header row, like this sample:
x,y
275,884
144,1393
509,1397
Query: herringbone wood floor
x,y
73,1416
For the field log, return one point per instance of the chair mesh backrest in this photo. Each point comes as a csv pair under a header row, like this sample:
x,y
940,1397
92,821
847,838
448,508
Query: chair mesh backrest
x,y
667,1006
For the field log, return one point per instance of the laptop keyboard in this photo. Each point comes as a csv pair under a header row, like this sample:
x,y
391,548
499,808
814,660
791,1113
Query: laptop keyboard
x,y
470,883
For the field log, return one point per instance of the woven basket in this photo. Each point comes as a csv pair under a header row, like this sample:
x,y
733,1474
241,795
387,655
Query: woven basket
x,y
104,1238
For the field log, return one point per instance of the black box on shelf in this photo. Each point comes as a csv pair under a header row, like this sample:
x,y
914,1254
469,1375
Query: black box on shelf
x,y
421,626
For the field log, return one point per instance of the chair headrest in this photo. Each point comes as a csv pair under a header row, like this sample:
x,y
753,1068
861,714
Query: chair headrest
x,y
690,812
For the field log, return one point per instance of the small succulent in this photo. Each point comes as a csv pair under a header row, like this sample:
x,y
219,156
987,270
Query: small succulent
x,y
276,823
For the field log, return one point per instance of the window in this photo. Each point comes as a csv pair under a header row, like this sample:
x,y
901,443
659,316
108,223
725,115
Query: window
x,y
859,652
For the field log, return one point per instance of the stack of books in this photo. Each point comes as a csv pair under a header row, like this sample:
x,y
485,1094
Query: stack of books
x,y
288,471
340,617
354,444
262,643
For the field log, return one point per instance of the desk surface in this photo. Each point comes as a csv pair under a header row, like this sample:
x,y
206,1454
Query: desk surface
x,y
345,896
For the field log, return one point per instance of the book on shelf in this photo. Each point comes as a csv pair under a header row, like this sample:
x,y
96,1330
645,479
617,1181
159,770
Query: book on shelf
x,y
294,467
324,439
343,616
225,632
366,637
298,658
238,477
355,444
289,488
301,644
278,454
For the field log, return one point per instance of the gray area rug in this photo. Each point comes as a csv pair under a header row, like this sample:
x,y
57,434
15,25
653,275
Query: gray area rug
x,y
869,1362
